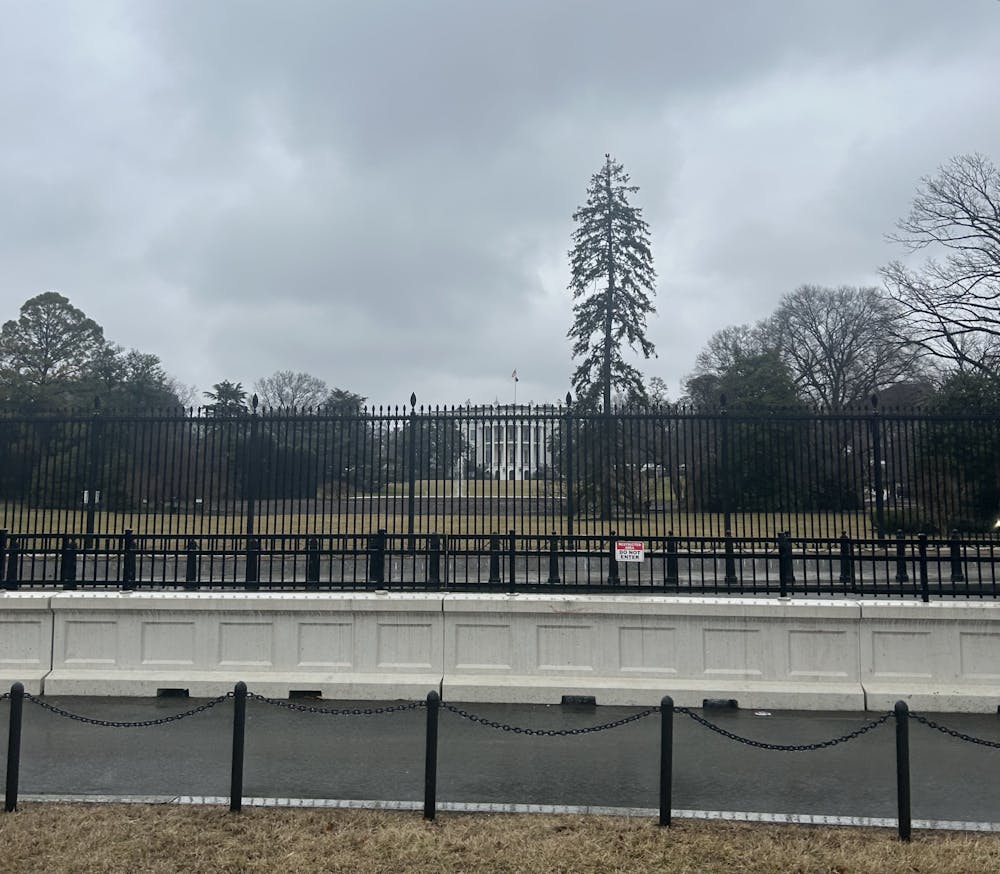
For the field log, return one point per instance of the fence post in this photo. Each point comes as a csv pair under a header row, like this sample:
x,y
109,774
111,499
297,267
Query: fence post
x,y
12,579
671,573
569,465
253,467
3,551
431,756
494,558
411,471
925,593
957,576
727,479
92,465
554,558
253,564
14,746
901,573
312,563
666,757
903,768
191,569
128,561
846,559
511,558
239,736
875,431
67,563
376,557
613,578
730,552
434,560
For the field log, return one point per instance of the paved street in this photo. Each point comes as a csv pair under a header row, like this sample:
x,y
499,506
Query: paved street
x,y
302,755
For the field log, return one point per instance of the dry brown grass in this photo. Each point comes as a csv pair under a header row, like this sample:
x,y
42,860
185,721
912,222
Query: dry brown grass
x,y
138,838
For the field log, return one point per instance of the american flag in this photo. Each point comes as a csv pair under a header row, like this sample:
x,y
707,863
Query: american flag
x,y
513,375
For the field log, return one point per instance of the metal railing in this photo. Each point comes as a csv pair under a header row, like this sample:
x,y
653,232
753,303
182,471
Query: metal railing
x,y
904,566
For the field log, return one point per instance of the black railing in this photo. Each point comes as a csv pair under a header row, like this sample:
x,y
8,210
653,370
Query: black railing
x,y
902,566
473,470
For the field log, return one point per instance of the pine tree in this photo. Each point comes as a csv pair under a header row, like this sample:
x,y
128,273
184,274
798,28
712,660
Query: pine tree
x,y
612,284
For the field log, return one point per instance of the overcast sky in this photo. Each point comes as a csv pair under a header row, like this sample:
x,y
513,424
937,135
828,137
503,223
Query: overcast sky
x,y
380,193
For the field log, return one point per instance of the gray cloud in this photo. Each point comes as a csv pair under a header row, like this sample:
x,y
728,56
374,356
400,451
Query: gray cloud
x,y
380,193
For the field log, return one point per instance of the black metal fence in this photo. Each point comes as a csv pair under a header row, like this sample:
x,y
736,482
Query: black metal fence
x,y
479,470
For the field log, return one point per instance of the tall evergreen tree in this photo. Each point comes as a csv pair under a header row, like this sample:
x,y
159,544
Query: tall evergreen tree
x,y
612,284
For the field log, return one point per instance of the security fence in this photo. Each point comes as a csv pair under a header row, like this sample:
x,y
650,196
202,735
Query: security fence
x,y
901,716
537,470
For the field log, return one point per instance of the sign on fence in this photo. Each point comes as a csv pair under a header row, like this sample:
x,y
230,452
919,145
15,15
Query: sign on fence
x,y
629,550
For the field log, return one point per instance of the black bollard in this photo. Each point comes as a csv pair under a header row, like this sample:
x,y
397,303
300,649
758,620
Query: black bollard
x,y
14,746
312,563
431,756
239,736
434,560
67,563
128,561
376,557
925,592
901,573
554,559
666,757
494,558
730,553
253,564
191,570
511,558
613,578
957,576
671,571
903,768
846,559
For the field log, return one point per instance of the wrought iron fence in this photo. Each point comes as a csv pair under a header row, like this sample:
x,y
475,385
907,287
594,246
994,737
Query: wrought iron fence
x,y
479,470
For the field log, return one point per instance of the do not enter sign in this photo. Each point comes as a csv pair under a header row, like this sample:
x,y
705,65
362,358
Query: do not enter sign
x,y
629,550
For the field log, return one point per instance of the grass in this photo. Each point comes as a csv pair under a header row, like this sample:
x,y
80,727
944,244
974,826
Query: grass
x,y
144,838
273,520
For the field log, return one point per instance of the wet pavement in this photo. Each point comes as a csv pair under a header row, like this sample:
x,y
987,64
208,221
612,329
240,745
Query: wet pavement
x,y
291,754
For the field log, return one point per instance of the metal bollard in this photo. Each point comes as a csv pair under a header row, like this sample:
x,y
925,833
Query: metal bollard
x,y
191,570
239,737
671,574
786,571
613,578
312,563
554,558
903,768
666,757
730,559
957,576
67,563
431,755
846,559
3,550
253,564
128,561
901,573
494,558
511,558
376,557
434,560
14,746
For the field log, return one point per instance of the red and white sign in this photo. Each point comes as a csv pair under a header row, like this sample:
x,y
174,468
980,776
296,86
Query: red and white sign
x,y
629,550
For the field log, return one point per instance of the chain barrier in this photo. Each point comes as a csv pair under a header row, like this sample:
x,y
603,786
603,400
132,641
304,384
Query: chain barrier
x,y
786,748
968,738
548,732
333,711
111,723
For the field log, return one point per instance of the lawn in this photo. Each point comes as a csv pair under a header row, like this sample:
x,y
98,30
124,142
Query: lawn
x,y
116,839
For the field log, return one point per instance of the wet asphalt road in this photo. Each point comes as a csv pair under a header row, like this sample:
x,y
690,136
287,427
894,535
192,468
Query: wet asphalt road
x,y
302,755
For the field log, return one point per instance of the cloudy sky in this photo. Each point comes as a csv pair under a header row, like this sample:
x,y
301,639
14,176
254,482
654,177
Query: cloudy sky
x,y
380,193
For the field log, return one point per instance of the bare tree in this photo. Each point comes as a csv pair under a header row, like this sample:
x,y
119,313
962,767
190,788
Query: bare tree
x,y
951,303
290,390
842,344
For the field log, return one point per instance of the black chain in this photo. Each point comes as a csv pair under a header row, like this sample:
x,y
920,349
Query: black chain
x,y
333,711
968,738
786,748
549,732
110,723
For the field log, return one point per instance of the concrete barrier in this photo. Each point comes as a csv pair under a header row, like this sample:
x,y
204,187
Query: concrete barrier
x,y
631,650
